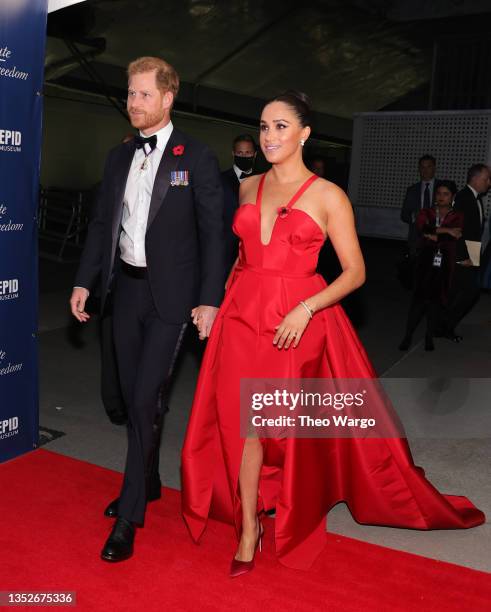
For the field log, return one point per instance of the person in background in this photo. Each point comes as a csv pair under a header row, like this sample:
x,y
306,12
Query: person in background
x,y
244,151
419,195
439,229
466,287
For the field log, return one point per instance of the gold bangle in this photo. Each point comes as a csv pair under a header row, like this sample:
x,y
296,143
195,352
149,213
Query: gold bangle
x,y
308,309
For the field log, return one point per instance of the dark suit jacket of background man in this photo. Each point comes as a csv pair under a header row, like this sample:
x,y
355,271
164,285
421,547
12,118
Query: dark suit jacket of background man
x,y
466,203
231,185
465,290
184,238
410,208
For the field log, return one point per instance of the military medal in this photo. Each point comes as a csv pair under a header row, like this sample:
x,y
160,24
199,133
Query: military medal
x,y
179,178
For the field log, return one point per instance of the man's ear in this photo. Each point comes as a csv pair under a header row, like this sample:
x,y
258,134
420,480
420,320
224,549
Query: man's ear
x,y
168,99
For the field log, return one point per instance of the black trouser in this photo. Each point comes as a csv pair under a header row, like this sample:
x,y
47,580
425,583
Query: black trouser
x,y
111,394
420,306
464,294
145,349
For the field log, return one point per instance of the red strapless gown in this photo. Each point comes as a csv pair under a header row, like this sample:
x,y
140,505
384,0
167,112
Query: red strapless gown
x,y
301,478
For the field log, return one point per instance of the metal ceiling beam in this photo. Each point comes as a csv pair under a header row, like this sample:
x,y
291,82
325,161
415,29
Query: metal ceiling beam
x,y
96,78
232,54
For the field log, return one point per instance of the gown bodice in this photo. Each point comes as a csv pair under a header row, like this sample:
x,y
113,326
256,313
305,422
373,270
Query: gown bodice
x,y
295,242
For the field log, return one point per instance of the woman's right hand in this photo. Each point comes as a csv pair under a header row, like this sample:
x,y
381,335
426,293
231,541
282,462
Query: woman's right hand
x,y
432,237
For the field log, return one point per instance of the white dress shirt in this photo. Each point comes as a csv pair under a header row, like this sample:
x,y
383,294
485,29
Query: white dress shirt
x,y
238,172
431,186
137,197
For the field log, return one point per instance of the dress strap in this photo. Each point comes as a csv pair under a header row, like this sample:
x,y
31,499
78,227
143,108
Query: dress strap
x,y
302,190
259,195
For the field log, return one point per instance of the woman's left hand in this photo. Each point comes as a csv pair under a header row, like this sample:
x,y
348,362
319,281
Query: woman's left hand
x,y
291,328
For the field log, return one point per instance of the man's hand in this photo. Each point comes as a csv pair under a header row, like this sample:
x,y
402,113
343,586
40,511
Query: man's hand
x,y
203,318
77,304
455,232
467,263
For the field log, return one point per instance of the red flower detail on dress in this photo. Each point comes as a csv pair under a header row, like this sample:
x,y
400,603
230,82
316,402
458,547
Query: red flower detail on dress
x,y
179,150
283,211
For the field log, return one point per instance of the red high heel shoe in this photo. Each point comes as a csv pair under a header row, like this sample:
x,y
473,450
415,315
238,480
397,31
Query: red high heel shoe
x,y
237,568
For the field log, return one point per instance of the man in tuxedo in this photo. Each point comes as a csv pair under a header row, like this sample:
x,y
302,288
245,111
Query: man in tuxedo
x,y
418,196
157,244
466,286
244,151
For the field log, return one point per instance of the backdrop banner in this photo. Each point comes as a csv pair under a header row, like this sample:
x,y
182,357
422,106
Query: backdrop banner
x,y
22,42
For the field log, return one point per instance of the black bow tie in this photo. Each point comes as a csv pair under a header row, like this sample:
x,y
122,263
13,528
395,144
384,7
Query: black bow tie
x,y
151,140
244,175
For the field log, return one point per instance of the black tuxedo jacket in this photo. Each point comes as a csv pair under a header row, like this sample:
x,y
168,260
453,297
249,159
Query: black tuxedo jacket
x,y
184,238
466,203
231,185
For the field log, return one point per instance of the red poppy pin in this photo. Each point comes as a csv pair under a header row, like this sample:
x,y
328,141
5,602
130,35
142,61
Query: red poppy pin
x,y
179,150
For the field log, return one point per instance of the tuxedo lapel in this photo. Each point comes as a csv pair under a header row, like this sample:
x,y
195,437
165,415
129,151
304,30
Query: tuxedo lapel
x,y
168,164
120,179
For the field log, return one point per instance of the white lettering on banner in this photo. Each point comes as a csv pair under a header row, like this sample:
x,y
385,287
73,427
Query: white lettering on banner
x,y
5,53
10,137
10,72
9,289
9,425
10,141
10,368
9,226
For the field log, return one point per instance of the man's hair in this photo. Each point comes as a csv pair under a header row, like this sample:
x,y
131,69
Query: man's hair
x,y
165,75
475,170
244,138
426,158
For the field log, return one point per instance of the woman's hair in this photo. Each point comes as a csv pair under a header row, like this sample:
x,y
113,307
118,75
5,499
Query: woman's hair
x,y
450,185
165,75
298,102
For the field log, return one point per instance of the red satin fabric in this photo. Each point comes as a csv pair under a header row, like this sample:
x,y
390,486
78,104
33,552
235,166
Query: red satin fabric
x,y
301,478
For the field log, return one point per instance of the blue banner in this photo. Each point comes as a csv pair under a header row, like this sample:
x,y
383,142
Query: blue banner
x,y
22,43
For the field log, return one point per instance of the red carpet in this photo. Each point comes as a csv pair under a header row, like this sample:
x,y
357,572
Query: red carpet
x,y
52,530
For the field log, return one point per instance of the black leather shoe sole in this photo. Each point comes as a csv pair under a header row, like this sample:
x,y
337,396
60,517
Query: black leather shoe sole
x,y
115,558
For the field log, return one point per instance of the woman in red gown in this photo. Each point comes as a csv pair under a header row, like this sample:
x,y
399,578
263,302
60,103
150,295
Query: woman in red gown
x,y
279,319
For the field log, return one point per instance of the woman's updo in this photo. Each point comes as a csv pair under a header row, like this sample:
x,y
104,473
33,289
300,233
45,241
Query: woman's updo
x,y
298,102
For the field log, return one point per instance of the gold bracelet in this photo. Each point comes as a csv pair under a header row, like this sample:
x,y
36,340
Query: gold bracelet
x,y
308,309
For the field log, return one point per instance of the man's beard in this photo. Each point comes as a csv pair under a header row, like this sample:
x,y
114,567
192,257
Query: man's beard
x,y
144,121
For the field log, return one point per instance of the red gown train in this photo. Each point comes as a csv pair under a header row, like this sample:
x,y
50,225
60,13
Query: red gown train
x,y
301,478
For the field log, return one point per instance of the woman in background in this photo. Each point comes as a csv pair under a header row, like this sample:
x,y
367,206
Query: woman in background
x,y
439,229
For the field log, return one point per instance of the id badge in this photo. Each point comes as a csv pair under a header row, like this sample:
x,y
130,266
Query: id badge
x,y
437,260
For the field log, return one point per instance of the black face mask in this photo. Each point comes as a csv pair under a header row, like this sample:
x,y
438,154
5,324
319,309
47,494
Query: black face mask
x,y
244,163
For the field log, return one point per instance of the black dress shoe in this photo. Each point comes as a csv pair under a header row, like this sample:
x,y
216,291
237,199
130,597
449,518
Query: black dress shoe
x,y
112,509
119,544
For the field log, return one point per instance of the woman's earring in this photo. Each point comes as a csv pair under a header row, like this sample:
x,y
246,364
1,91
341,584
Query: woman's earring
x,y
302,142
